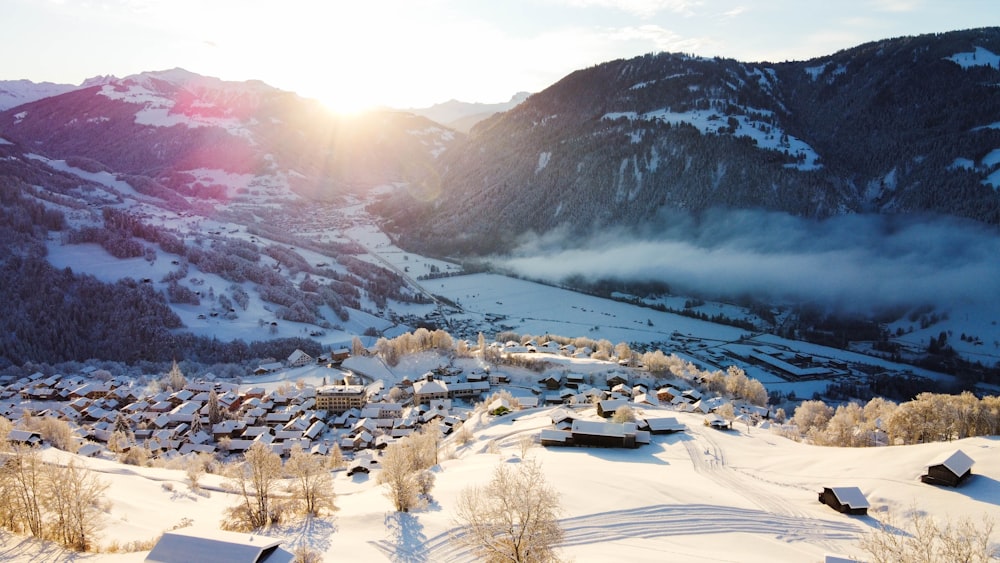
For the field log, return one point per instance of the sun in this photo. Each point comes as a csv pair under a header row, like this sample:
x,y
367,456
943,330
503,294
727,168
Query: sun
x,y
349,102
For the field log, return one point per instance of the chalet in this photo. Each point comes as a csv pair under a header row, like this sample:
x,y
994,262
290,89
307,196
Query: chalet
x,y
952,470
298,358
847,500
499,407
339,355
24,437
616,378
190,544
362,464
607,407
596,433
551,382
268,368
664,425
528,402
574,380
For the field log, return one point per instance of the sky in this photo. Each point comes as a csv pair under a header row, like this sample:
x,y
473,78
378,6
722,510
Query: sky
x,y
415,53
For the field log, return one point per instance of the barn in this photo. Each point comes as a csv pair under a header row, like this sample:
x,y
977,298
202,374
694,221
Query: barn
x,y
188,544
952,470
847,500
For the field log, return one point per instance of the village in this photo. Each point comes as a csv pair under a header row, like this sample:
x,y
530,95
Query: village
x,y
348,410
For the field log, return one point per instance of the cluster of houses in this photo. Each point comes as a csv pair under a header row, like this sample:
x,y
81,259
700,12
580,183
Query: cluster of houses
x,y
617,391
346,415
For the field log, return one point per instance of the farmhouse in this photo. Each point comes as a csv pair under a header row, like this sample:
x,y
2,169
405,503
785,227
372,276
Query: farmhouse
x,y
952,470
847,500
596,433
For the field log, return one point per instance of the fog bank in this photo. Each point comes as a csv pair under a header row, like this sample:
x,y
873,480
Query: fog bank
x,y
854,263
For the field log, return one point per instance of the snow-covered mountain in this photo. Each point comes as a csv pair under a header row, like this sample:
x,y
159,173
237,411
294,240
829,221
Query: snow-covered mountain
x,y
462,116
16,92
166,124
904,126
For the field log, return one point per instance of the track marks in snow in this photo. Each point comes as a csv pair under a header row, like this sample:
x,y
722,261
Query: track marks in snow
x,y
649,522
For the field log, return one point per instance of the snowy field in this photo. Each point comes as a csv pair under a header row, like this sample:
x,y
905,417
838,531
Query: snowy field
x,y
744,495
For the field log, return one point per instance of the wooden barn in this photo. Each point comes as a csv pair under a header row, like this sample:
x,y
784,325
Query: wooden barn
x,y
189,544
951,470
847,500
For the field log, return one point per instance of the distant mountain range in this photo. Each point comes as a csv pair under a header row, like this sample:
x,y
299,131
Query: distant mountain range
x,y
900,126
169,125
462,116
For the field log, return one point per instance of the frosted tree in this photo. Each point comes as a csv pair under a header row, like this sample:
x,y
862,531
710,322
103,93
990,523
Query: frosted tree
x,y
254,479
214,411
311,484
74,500
399,477
928,541
811,415
512,518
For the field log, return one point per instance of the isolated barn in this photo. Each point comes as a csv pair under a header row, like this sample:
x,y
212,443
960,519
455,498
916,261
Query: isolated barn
x,y
951,470
847,500
188,544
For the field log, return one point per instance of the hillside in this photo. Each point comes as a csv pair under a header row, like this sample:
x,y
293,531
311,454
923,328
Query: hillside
x,y
745,494
172,126
902,126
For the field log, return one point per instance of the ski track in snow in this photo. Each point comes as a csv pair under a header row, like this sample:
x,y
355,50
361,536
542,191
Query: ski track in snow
x,y
796,525
656,521
772,518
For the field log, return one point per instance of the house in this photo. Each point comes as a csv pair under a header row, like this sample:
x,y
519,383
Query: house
x,y
298,358
339,355
428,389
952,470
551,382
24,437
607,407
847,500
665,425
190,544
268,368
607,434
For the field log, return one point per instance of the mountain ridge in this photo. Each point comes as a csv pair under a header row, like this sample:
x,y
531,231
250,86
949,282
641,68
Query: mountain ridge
x,y
902,125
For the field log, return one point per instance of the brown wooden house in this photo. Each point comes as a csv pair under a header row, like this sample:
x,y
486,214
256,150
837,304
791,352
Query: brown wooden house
x,y
846,500
951,470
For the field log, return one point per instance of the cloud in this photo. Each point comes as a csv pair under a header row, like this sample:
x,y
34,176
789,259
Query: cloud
x,y
854,263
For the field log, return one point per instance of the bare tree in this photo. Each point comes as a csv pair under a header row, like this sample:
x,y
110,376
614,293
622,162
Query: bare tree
x,y
928,541
397,472
254,480
26,474
73,500
311,483
513,518
525,443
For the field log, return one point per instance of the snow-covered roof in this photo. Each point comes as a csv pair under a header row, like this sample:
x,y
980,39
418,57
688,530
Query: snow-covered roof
x,y
957,462
851,496
189,544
